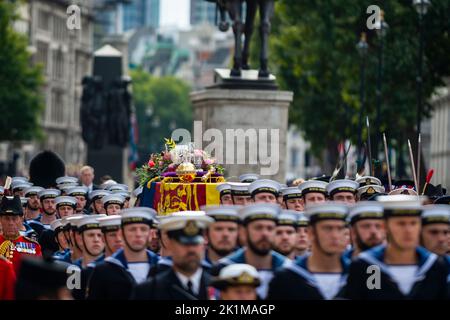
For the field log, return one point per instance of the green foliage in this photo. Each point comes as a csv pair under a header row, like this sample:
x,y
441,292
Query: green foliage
x,y
21,101
313,53
162,105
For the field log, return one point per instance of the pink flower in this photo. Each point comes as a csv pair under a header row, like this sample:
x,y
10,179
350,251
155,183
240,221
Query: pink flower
x,y
208,161
161,163
198,153
167,156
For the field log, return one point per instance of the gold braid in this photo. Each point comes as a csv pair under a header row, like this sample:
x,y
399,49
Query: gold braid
x,y
6,249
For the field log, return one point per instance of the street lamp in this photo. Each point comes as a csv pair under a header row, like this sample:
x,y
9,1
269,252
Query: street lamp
x,y
421,7
382,29
362,48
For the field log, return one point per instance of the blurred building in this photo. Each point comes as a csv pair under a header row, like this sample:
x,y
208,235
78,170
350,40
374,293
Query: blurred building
x,y
141,13
299,161
439,147
210,49
66,56
119,16
191,55
202,12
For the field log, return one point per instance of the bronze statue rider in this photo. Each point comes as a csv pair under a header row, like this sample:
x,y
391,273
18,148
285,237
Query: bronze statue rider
x,y
241,53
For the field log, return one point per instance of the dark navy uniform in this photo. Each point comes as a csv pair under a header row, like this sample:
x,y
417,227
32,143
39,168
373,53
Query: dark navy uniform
x,y
249,214
429,282
86,273
29,232
114,278
186,228
63,255
167,286
165,263
295,282
111,278
265,275
447,260
37,226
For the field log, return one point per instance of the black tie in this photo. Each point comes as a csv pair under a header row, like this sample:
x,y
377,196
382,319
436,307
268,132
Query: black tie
x,y
189,287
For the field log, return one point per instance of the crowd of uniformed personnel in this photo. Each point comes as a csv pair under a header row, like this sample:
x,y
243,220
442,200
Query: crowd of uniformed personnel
x,y
314,239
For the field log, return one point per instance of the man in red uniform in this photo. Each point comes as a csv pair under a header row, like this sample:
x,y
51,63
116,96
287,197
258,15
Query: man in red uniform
x,y
7,280
12,245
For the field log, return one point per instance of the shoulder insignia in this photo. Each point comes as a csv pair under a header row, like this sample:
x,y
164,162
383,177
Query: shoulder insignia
x,y
31,240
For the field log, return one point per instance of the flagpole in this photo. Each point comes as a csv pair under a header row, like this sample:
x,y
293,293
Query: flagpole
x,y
419,148
369,145
387,162
413,167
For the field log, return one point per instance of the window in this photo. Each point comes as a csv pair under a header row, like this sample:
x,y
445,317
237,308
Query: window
x,y
44,20
294,158
46,113
82,67
58,65
76,116
42,55
85,31
57,107
307,159
59,29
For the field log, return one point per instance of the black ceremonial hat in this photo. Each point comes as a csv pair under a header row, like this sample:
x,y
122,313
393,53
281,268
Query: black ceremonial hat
x,y
11,206
45,168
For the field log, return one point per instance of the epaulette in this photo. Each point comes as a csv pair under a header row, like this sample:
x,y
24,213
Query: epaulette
x,y
31,240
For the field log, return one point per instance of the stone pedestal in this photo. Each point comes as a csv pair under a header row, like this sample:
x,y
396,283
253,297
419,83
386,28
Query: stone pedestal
x,y
110,159
251,122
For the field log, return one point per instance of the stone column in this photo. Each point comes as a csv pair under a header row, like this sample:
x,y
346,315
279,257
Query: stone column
x,y
110,159
243,115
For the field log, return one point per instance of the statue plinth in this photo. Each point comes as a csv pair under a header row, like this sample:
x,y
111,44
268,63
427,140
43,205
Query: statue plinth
x,y
248,80
251,121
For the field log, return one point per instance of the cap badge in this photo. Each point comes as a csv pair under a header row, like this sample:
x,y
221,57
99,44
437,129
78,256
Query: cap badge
x,y
245,278
191,228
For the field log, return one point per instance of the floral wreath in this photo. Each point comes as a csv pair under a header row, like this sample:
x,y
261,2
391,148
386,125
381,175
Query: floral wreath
x,y
166,162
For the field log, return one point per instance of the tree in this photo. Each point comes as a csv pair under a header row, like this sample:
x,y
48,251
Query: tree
x,y
313,54
162,105
21,101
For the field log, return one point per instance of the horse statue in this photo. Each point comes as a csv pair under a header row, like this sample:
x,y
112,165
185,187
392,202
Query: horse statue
x,y
240,27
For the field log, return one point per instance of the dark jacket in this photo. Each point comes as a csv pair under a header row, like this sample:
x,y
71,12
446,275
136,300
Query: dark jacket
x,y
430,281
447,261
266,275
167,286
86,273
165,263
111,280
295,282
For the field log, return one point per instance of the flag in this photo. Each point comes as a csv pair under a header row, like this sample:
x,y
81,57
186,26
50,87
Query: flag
x,y
166,198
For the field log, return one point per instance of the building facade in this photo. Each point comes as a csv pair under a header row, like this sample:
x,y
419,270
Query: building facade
x,y
439,152
119,16
299,161
66,57
202,12
141,13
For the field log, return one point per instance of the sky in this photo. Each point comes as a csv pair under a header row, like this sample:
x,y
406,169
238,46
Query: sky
x,y
174,13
